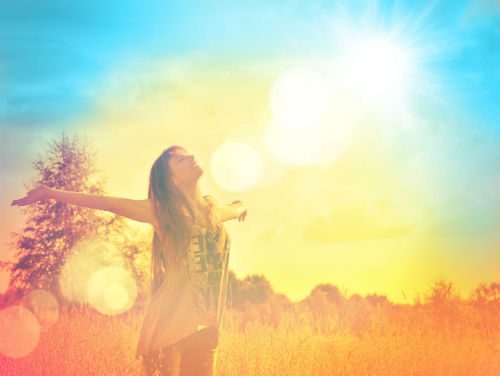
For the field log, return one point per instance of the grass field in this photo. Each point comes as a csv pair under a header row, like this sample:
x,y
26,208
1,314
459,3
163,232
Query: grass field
x,y
269,340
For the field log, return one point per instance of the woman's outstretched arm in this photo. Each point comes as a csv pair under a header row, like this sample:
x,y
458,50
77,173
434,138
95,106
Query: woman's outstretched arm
x,y
138,210
232,211
226,212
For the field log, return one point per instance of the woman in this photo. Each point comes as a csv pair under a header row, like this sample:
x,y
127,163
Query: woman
x,y
189,266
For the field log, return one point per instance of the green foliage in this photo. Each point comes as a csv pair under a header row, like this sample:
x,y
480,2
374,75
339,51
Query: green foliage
x,y
52,229
254,288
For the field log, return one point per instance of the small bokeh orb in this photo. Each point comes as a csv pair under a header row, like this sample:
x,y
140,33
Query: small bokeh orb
x,y
236,167
300,98
87,257
295,146
44,306
116,296
112,290
318,146
19,331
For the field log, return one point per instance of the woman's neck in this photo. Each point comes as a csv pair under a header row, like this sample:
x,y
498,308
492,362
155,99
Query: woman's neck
x,y
199,204
193,195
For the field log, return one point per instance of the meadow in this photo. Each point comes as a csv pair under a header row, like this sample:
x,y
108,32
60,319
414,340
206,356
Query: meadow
x,y
314,337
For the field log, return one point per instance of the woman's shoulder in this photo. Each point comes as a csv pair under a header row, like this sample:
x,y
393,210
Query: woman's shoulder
x,y
211,200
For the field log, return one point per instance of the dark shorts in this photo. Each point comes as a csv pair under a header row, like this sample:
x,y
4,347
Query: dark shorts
x,y
192,355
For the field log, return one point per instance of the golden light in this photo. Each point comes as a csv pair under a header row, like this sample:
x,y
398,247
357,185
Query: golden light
x,y
44,306
299,98
19,331
236,167
319,145
295,146
376,69
112,290
86,257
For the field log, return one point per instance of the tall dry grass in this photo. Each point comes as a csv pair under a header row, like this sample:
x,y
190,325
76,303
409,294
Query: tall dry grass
x,y
271,339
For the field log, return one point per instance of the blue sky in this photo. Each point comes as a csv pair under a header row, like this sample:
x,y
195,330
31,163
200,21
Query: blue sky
x,y
51,52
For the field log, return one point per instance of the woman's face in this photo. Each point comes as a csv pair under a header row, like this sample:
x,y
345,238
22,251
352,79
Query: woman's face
x,y
184,167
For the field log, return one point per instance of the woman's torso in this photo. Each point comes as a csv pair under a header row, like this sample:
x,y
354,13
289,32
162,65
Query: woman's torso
x,y
193,292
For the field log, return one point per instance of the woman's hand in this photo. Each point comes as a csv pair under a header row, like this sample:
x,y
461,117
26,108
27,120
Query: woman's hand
x,y
40,192
243,214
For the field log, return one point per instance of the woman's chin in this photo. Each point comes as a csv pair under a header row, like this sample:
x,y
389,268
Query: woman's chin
x,y
199,170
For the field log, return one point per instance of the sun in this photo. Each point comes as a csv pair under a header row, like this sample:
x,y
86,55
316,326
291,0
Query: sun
x,y
383,57
377,68
372,72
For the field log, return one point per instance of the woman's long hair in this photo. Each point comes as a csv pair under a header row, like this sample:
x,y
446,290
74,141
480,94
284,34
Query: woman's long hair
x,y
175,227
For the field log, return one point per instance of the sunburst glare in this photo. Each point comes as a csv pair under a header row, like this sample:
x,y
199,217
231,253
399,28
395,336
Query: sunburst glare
x,y
380,55
377,69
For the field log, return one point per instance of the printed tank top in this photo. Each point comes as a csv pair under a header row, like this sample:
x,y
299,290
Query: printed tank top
x,y
192,294
206,261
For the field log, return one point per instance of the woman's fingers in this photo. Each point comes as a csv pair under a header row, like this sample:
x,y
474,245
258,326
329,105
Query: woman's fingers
x,y
37,193
20,202
242,216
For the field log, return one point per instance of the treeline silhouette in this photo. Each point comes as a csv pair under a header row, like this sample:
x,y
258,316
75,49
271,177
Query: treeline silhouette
x,y
332,310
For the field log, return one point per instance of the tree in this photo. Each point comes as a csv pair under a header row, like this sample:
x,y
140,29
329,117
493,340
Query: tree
x,y
377,300
53,228
324,299
444,303
328,292
487,294
254,288
442,295
486,301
